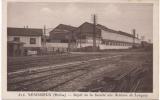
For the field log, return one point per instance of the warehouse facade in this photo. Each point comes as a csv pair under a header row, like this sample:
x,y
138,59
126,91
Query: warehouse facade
x,y
112,39
61,38
105,38
65,38
82,37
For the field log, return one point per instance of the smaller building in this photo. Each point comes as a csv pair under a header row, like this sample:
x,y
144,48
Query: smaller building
x,y
61,38
23,41
62,33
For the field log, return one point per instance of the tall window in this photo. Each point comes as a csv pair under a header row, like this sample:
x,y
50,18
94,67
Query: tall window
x,y
32,40
17,39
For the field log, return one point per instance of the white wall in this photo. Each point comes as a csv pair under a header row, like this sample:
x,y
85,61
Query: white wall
x,y
102,47
57,45
115,36
137,41
84,45
26,40
88,42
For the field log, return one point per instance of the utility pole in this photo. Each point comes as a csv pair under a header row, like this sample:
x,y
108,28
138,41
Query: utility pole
x,y
80,37
69,38
44,36
134,34
94,32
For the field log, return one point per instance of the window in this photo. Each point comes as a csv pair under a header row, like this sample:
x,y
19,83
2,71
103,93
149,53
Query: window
x,y
32,40
103,42
17,39
107,43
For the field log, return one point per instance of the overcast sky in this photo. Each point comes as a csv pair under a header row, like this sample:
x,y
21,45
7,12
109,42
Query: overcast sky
x,y
124,17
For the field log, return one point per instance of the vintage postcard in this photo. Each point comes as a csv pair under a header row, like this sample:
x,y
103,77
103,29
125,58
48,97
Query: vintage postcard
x,y
80,49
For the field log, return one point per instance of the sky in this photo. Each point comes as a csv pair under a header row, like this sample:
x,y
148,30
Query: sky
x,y
117,16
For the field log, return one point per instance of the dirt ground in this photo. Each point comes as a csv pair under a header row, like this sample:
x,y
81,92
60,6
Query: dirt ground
x,y
116,72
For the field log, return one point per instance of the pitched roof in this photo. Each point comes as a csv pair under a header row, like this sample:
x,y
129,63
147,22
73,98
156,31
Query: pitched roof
x,y
62,32
60,36
113,31
87,29
63,28
11,31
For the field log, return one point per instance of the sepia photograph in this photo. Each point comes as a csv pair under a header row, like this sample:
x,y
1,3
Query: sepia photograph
x,y
84,47
80,50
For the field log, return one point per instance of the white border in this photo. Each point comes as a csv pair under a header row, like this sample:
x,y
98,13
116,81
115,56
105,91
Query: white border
x,y
14,95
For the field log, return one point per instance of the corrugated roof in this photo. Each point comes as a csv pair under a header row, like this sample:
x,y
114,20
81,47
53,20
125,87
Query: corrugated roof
x,y
62,32
86,29
64,28
11,31
113,31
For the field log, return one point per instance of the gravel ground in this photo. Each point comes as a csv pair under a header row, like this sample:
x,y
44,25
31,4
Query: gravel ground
x,y
129,72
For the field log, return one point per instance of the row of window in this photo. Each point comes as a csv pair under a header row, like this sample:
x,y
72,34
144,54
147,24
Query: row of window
x,y
32,40
117,43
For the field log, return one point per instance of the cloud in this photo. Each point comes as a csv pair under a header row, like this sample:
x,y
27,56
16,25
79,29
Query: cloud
x,y
112,10
46,10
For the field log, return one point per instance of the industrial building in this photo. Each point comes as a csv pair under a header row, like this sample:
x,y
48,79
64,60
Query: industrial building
x,y
65,38
61,34
112,39
83,36
61,38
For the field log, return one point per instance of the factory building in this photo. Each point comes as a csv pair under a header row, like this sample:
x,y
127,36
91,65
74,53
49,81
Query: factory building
x,y
112,39
105,38
64,38
82,37
61,38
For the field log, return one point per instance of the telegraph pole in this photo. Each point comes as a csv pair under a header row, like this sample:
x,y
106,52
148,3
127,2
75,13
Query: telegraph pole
x,y
44,36
80,37
134,34
69,38
94,32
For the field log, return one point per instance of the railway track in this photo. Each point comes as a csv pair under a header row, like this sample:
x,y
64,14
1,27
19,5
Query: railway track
x,y
123,76
13,65
22,83
54,67
127,78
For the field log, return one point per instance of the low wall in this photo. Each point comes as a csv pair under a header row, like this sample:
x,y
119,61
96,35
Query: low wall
x,y
57,45
84,45
102,47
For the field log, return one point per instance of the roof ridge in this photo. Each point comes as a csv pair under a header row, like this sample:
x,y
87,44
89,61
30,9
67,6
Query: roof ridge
x,y
23,28
24,32
66,25
116,31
